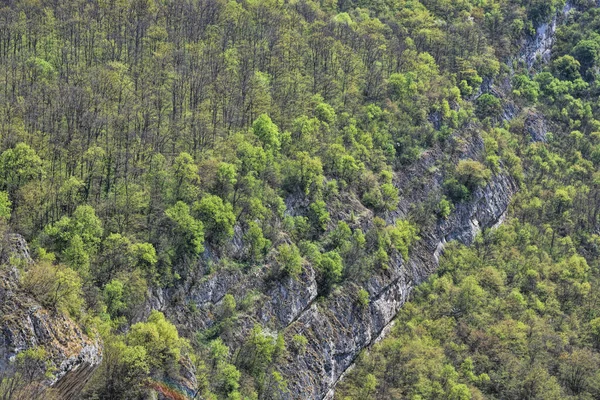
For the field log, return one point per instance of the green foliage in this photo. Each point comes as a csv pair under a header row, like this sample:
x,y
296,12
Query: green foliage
x,y
445,207
586,52
289,260
402,235
188,232
384,197
160,340
325,113
124,366
26,375
145,258
472,174
299,343
267,132
55,286
134,131
18,166
456,191
5,205
304,173
363,298
113,297
488,105
566,68
84,227
259,351
217,218
258,245
185,178
462,298
318,215
123,296
526,88
331,267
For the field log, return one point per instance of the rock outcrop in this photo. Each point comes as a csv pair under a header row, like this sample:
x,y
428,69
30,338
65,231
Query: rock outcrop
x,y
537,49
339,327
72,355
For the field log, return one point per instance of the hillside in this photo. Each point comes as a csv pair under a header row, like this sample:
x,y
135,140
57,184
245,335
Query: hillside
x,y
233,199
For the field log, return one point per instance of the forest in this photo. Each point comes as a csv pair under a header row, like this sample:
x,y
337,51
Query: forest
x,y
146,145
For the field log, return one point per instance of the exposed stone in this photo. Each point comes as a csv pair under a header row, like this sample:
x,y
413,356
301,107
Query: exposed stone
x,y
538,48
26,324
338,327
535,126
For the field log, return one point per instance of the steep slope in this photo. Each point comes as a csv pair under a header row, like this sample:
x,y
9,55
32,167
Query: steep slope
x,y
261,169
338,327
72,356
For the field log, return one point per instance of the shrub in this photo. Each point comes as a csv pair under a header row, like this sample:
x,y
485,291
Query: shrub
x,y
289,260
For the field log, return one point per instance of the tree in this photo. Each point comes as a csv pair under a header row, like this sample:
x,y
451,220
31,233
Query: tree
x,y
267,132
160,340
122,370
5,205
289,260
75,238
304,173
217,218
257,244
566,68
319,216
186,179
488,106
586,52
402,235
55,286
76,256
145,258
259,351
472,174
25,376
18,166
332,268
188,232
325,113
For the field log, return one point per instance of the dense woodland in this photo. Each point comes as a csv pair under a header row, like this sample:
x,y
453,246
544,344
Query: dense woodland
x,y
516,315
139,139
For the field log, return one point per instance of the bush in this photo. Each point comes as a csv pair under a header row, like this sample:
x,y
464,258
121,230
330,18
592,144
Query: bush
x,y
160,340
472,174
289,260
299,343
362,297
488,106
332,268
217,217
55,286
318,215
456,190
257,244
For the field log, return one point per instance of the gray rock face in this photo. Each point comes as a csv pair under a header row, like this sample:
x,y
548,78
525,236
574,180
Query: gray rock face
x,y
538,48
26,324
535,126
338,327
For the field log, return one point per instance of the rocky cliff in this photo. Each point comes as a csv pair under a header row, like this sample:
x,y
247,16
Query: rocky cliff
x,y
72,355
537,48
338,327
